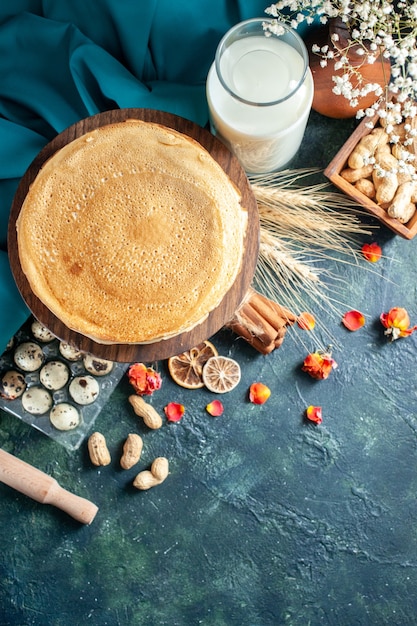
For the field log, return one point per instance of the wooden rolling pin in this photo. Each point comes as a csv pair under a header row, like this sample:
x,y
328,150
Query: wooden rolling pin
x,y
43,488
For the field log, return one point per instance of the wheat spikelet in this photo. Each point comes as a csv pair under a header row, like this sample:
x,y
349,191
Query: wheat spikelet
x,y
277,254
302,229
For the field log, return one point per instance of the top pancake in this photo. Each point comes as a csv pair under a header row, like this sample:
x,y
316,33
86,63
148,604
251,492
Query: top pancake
x,y
131,233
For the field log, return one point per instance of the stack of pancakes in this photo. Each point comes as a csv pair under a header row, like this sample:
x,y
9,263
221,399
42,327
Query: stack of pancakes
x,y
131,233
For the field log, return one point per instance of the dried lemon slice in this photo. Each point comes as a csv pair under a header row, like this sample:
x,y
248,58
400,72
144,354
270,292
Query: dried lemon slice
x,y
186,368
221,374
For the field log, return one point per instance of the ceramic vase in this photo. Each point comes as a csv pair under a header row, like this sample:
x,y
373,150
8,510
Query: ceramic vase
x,y
325,101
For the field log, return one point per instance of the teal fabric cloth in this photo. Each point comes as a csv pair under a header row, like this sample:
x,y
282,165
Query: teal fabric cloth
x,y
63,60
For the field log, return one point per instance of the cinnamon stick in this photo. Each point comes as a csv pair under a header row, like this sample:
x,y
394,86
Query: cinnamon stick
x,y
256,323
274,313
261,322
255,342
280,337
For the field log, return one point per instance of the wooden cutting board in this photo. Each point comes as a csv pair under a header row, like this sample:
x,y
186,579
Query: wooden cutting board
x,y
218,318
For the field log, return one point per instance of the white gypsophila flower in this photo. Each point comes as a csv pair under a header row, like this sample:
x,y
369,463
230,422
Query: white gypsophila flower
x,y
385,29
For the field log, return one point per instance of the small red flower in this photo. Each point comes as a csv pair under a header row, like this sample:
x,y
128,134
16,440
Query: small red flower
x,y
397,323
174,411
372,252
314,414
319,364
144,380
306,321
215,408
353,320
259,393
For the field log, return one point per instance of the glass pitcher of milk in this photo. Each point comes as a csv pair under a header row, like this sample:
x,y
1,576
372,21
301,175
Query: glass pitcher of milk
x,y
259,93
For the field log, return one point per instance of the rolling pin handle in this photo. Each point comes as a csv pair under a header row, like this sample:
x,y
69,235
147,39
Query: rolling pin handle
x,y
43,488
79,508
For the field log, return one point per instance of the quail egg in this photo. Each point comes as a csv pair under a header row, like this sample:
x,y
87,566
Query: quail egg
x,y
64,416
70,352
84,389
28,356
36,400
12,385
98,367
41,333
54,375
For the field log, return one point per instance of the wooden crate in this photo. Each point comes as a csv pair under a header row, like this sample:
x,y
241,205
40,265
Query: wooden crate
x,y
339,162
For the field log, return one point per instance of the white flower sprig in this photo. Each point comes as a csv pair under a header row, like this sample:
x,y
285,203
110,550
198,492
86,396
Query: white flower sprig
x,y
375,27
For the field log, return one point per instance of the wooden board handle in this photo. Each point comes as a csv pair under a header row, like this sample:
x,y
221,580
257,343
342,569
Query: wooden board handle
x,y
43,488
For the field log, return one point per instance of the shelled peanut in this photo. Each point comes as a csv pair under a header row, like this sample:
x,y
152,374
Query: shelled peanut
x,y
375,168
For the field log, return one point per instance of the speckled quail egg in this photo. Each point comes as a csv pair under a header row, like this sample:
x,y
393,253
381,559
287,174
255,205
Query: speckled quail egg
x,y
29,356
54,375
70,352
98,367
12,385
84,389
41,333
36,400
65,416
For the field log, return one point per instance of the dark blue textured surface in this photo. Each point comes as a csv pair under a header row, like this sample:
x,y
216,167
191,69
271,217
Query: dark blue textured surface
x,y
265,519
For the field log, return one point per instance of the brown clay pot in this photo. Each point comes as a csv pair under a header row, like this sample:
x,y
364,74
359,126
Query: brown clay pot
x,y
325,101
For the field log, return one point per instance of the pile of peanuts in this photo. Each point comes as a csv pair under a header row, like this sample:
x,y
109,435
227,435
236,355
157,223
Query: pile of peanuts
x,y
132,448
376,168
